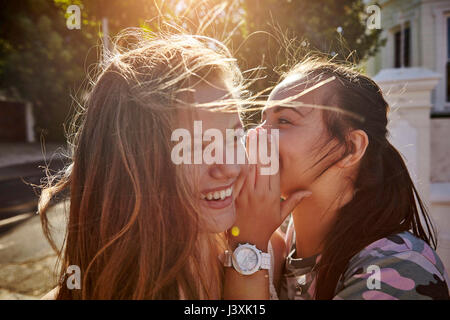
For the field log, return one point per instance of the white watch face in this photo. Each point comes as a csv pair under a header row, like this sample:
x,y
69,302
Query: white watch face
x,y
247,260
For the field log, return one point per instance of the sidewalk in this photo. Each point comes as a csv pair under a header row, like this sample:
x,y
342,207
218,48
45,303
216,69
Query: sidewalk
x,y
21,153
27,262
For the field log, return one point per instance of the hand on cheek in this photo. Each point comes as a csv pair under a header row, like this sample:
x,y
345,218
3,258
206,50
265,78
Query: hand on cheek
x,y
258,204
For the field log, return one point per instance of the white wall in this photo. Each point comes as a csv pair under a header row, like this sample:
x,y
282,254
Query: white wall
x,y
440,212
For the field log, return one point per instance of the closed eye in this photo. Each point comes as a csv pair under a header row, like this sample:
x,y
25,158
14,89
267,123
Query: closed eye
x,y
283,121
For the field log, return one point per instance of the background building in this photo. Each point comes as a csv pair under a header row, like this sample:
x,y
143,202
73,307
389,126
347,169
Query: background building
x,y
413,70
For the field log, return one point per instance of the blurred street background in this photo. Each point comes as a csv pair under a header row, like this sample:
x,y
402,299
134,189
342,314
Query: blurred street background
x,y
27,261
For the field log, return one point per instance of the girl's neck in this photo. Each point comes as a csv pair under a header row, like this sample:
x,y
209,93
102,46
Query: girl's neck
x,y
311,224
313,219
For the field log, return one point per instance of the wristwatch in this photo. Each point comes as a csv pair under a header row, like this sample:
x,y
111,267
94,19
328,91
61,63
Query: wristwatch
x,y
247,259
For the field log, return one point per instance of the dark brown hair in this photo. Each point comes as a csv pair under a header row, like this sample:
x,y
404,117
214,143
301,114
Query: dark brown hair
x,y
386,201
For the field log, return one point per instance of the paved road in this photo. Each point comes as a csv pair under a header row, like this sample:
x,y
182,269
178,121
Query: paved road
x,y
27,262
26,259
21,166
18,193
14,153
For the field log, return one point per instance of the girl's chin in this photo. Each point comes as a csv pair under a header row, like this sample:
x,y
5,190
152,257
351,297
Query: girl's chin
x,y
285,193
219,220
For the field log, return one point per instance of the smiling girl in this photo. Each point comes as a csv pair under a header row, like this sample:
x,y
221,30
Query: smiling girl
x,y
363,232
140,226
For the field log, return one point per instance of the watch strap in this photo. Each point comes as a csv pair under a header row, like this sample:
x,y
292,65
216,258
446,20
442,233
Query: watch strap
x,y
266,260
227,261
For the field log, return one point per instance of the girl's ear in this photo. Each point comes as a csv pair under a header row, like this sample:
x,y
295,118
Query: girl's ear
x,y
358,141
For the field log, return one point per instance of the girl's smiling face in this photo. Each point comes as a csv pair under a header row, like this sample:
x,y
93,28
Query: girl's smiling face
x,y
214,183
303,146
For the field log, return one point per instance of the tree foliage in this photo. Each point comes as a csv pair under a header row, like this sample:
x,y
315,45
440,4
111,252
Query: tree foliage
x,y
44,62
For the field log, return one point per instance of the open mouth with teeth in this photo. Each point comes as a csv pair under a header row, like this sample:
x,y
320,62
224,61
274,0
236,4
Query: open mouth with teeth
x,y
218,194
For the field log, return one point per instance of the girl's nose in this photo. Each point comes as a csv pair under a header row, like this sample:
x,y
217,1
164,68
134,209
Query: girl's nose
x,y
225,171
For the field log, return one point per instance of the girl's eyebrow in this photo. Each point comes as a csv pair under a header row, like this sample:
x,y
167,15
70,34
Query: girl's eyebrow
x,y
279,109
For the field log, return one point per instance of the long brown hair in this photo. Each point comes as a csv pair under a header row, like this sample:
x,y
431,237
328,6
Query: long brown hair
x,y
133,226
385,198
